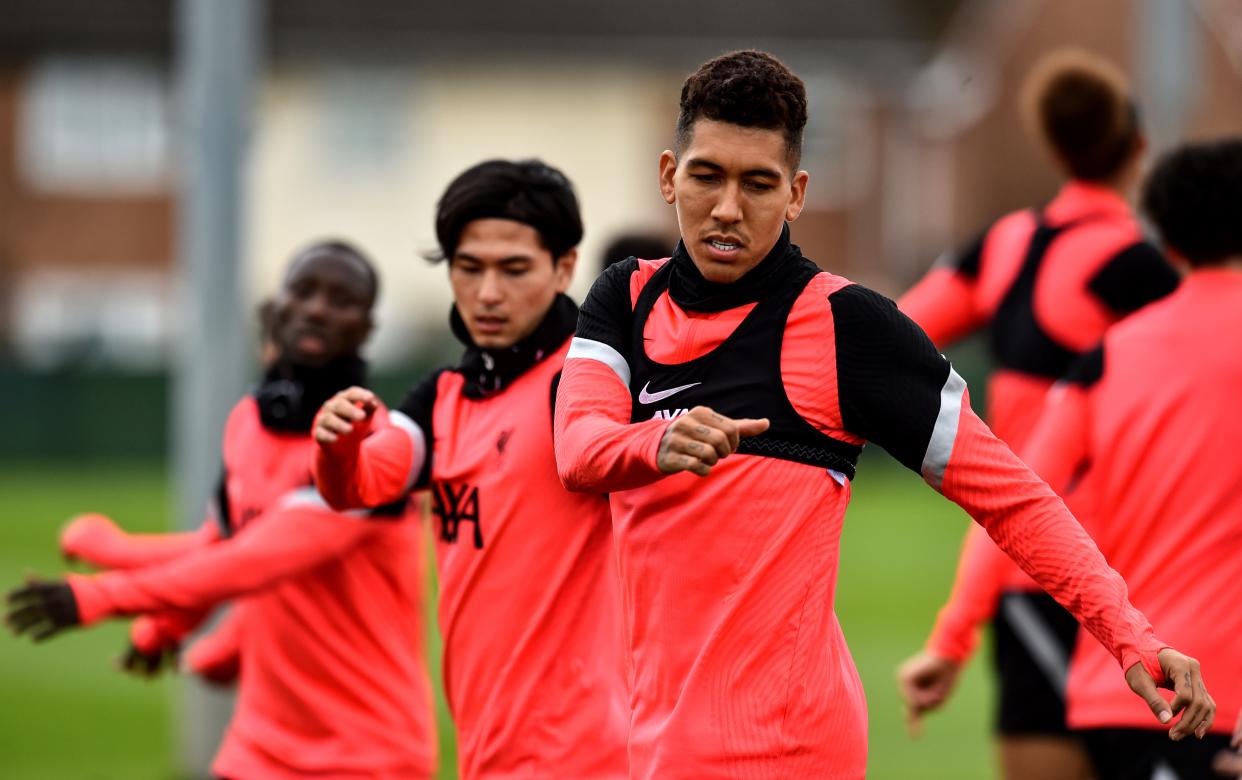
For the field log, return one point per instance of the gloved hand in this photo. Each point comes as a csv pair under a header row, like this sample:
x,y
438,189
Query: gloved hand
x,y
152,648
146,664
42,609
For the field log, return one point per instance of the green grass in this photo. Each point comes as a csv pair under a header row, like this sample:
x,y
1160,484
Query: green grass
x,y
67,715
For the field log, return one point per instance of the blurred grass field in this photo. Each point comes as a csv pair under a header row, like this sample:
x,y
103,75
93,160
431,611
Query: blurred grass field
x,y
67,715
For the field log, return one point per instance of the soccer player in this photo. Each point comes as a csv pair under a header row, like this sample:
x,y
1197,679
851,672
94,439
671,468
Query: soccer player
x,y
721,398
529,605
1047,281
333,681
1150,423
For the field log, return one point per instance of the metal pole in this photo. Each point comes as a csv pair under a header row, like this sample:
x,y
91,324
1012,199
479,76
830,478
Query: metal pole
x,y
1169,47
217,61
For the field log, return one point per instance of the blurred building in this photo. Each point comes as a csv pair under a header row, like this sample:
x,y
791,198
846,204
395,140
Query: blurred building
x,y
368,108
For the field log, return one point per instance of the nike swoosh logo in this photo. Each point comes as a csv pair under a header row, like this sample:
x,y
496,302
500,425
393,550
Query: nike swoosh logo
x,y
649,398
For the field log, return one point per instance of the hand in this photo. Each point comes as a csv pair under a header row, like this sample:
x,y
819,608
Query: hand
x,y
342,411
925,682
1191,700
698,439
146,664
86,532
42,609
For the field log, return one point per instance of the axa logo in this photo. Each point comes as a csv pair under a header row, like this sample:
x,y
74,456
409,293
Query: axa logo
x,y
668,414
454,505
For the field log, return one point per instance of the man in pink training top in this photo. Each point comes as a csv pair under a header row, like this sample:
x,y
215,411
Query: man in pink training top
x,y
1149,423
333,679
721,397
529,609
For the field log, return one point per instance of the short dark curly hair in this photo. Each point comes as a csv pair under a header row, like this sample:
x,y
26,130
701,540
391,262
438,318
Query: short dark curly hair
x,y
527,191
1080,106
747,88
338,246
1193,197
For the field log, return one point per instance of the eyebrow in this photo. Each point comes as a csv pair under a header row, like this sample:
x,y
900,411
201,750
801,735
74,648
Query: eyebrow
x,y
766,173
510,260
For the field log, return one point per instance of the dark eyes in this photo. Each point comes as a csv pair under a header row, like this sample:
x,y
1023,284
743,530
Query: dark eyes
x,y
507,270
753,185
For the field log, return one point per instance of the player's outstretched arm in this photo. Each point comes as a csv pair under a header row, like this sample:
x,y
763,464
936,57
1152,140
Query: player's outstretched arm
x,y
897,391
288,541
365,457
96,540
597,448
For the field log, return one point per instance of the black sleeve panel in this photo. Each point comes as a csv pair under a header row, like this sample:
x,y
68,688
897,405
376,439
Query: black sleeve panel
x,y
393,511
606,313
224,515
1133,278
966,260
889,374
419,405
556,385
1086,370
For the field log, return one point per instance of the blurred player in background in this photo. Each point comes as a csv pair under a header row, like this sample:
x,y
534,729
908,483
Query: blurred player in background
x,y
1150,422
327,607
156,639
529,606
636,244
721,398
1047,282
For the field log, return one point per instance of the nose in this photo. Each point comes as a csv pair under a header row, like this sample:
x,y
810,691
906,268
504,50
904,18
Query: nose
x,y
728,208
315,307
491,292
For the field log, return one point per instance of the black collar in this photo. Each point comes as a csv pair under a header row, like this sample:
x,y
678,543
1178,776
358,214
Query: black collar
x,y
691,291
290,395
490,371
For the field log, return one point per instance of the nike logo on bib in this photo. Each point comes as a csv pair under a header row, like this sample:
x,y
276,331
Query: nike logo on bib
x,y
650,398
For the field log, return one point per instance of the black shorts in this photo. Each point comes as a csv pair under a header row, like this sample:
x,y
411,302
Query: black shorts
x,y
1033,639
1143,754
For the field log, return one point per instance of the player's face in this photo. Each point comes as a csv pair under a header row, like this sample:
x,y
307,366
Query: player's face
x,y
734,190
323,311
504,280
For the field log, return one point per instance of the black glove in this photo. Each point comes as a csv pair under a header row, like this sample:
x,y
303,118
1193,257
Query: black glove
x,y
42,608
147,665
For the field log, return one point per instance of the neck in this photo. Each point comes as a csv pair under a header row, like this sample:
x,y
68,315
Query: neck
x,y
692,291
489,371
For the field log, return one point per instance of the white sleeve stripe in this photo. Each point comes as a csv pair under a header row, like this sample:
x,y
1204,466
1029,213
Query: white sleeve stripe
x,y
418,440
944,434
309,497
600,352
1039,640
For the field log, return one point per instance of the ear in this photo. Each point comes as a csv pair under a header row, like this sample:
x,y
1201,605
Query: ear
x,y
797,195
668,169
565,265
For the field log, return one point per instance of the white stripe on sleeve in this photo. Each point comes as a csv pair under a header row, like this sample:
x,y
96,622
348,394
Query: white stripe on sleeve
x,y
944,434
418,440
309,497
601,352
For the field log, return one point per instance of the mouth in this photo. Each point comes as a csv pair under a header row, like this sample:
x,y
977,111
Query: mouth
x,y
490,323
723,248
310,343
